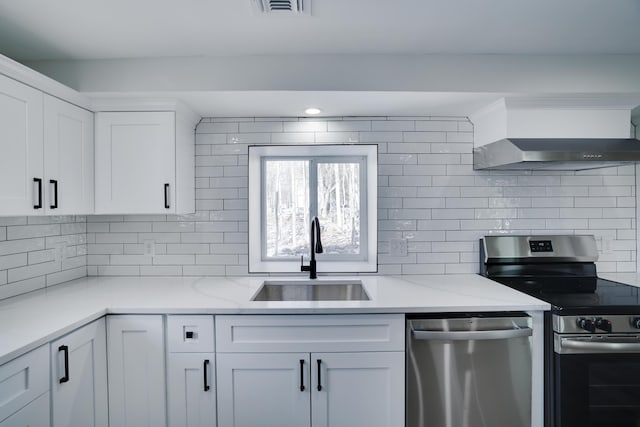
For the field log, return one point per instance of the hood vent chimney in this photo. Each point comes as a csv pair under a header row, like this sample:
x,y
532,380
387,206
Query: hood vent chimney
x,y
302,7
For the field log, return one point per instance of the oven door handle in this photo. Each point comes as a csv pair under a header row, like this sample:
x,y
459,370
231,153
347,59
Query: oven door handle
x,y
503,334
577,345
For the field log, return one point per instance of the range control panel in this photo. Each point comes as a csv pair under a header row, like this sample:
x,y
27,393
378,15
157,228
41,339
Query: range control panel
x,y
603,324
540,246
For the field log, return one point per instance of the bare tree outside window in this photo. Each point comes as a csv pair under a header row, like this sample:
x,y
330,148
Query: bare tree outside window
x,y
290,184
339,207
288,206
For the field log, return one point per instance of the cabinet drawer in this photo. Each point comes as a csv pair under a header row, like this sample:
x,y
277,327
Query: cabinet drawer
x,y
23,379
310,333
35,414
190,334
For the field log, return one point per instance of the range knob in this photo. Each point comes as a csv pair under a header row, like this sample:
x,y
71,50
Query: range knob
x,y
635,322
587,324
603,324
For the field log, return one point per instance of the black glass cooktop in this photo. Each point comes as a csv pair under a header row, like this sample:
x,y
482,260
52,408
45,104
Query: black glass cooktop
x,y
579,295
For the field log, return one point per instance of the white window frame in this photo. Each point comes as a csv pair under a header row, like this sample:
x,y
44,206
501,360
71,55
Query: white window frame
x,y
367,260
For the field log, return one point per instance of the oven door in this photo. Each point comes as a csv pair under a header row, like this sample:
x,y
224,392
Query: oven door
x,y
597,380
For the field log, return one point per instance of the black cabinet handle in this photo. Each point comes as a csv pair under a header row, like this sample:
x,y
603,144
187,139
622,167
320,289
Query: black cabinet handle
x,y
65,378
206,374
319,374
55,193
301,374
166,196
39,182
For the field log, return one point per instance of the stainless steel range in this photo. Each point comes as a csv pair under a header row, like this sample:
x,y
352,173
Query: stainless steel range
x,y
592,333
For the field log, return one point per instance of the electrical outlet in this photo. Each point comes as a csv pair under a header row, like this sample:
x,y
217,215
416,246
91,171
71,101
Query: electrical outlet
x,y
149,247
607,245
398,247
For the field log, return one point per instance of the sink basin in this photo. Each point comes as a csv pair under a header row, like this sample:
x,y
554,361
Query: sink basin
x,y
311,290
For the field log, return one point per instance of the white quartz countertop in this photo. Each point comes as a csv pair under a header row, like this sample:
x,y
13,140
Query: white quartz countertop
x,y
627,278
31,320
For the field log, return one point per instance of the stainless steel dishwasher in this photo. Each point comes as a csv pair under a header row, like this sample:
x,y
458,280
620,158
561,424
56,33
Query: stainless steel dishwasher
x,y
469,371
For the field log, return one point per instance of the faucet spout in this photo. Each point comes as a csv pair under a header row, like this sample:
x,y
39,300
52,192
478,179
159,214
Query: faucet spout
x,y
316,248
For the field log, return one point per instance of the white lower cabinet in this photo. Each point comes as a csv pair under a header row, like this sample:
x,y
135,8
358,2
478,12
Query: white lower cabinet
x,y
268,389
318,371
357,389
79,378
136,370
191,365
191,390
23,381
35,414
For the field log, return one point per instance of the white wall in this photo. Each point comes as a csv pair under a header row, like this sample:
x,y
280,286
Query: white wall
x,y
541,74
428,194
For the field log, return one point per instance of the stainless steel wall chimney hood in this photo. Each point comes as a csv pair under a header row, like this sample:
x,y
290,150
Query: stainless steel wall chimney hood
x,y
555,133
556,153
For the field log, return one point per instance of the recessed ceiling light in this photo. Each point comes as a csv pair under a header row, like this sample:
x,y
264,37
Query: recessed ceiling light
x,y
312,111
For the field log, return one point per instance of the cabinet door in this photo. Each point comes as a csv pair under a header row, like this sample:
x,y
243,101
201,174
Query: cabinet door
x,y
135,162
263,389
135,360
79,377
68,149
191,390
35,414
21,149
357,389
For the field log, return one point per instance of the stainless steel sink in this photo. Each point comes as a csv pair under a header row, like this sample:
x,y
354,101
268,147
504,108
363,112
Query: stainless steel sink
x,y
311,290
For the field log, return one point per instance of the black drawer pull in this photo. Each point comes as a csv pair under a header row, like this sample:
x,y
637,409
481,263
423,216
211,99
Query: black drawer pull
x,y
166,196
206,375
39,182
65,378
55,193
319,374
302,388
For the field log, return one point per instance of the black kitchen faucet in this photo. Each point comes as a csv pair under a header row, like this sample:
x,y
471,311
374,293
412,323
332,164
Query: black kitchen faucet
x,y
316,248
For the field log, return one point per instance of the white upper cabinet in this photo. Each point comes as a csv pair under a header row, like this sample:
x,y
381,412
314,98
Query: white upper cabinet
x,y
68,154
144,163
46,161
21,142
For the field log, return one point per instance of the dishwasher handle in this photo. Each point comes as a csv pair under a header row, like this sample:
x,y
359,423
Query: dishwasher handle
x,y
503,334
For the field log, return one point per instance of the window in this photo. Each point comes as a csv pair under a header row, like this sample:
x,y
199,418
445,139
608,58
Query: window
x,y
289,185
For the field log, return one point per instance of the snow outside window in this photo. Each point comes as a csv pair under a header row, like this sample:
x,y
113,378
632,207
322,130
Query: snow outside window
x,y
289,185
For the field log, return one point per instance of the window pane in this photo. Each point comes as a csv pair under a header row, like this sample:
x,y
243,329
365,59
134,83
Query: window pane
x,y
286,208
339,207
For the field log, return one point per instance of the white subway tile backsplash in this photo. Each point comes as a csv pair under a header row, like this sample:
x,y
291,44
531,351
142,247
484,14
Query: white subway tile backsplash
x,y
428,194
348,126
13,260
26,245
37,257
187,248
28,231
13,220
183,259
31,271
587,202
161,270
130,259
261,127
437,126
293,138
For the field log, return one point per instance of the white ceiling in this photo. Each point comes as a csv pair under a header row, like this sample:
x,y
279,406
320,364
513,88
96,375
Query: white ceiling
x,y
37,30
90,29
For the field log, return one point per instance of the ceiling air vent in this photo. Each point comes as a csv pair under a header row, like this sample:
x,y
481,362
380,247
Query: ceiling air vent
x,y
302,7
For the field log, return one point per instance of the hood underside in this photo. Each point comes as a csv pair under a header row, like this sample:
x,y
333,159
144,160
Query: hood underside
x,y
555,154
